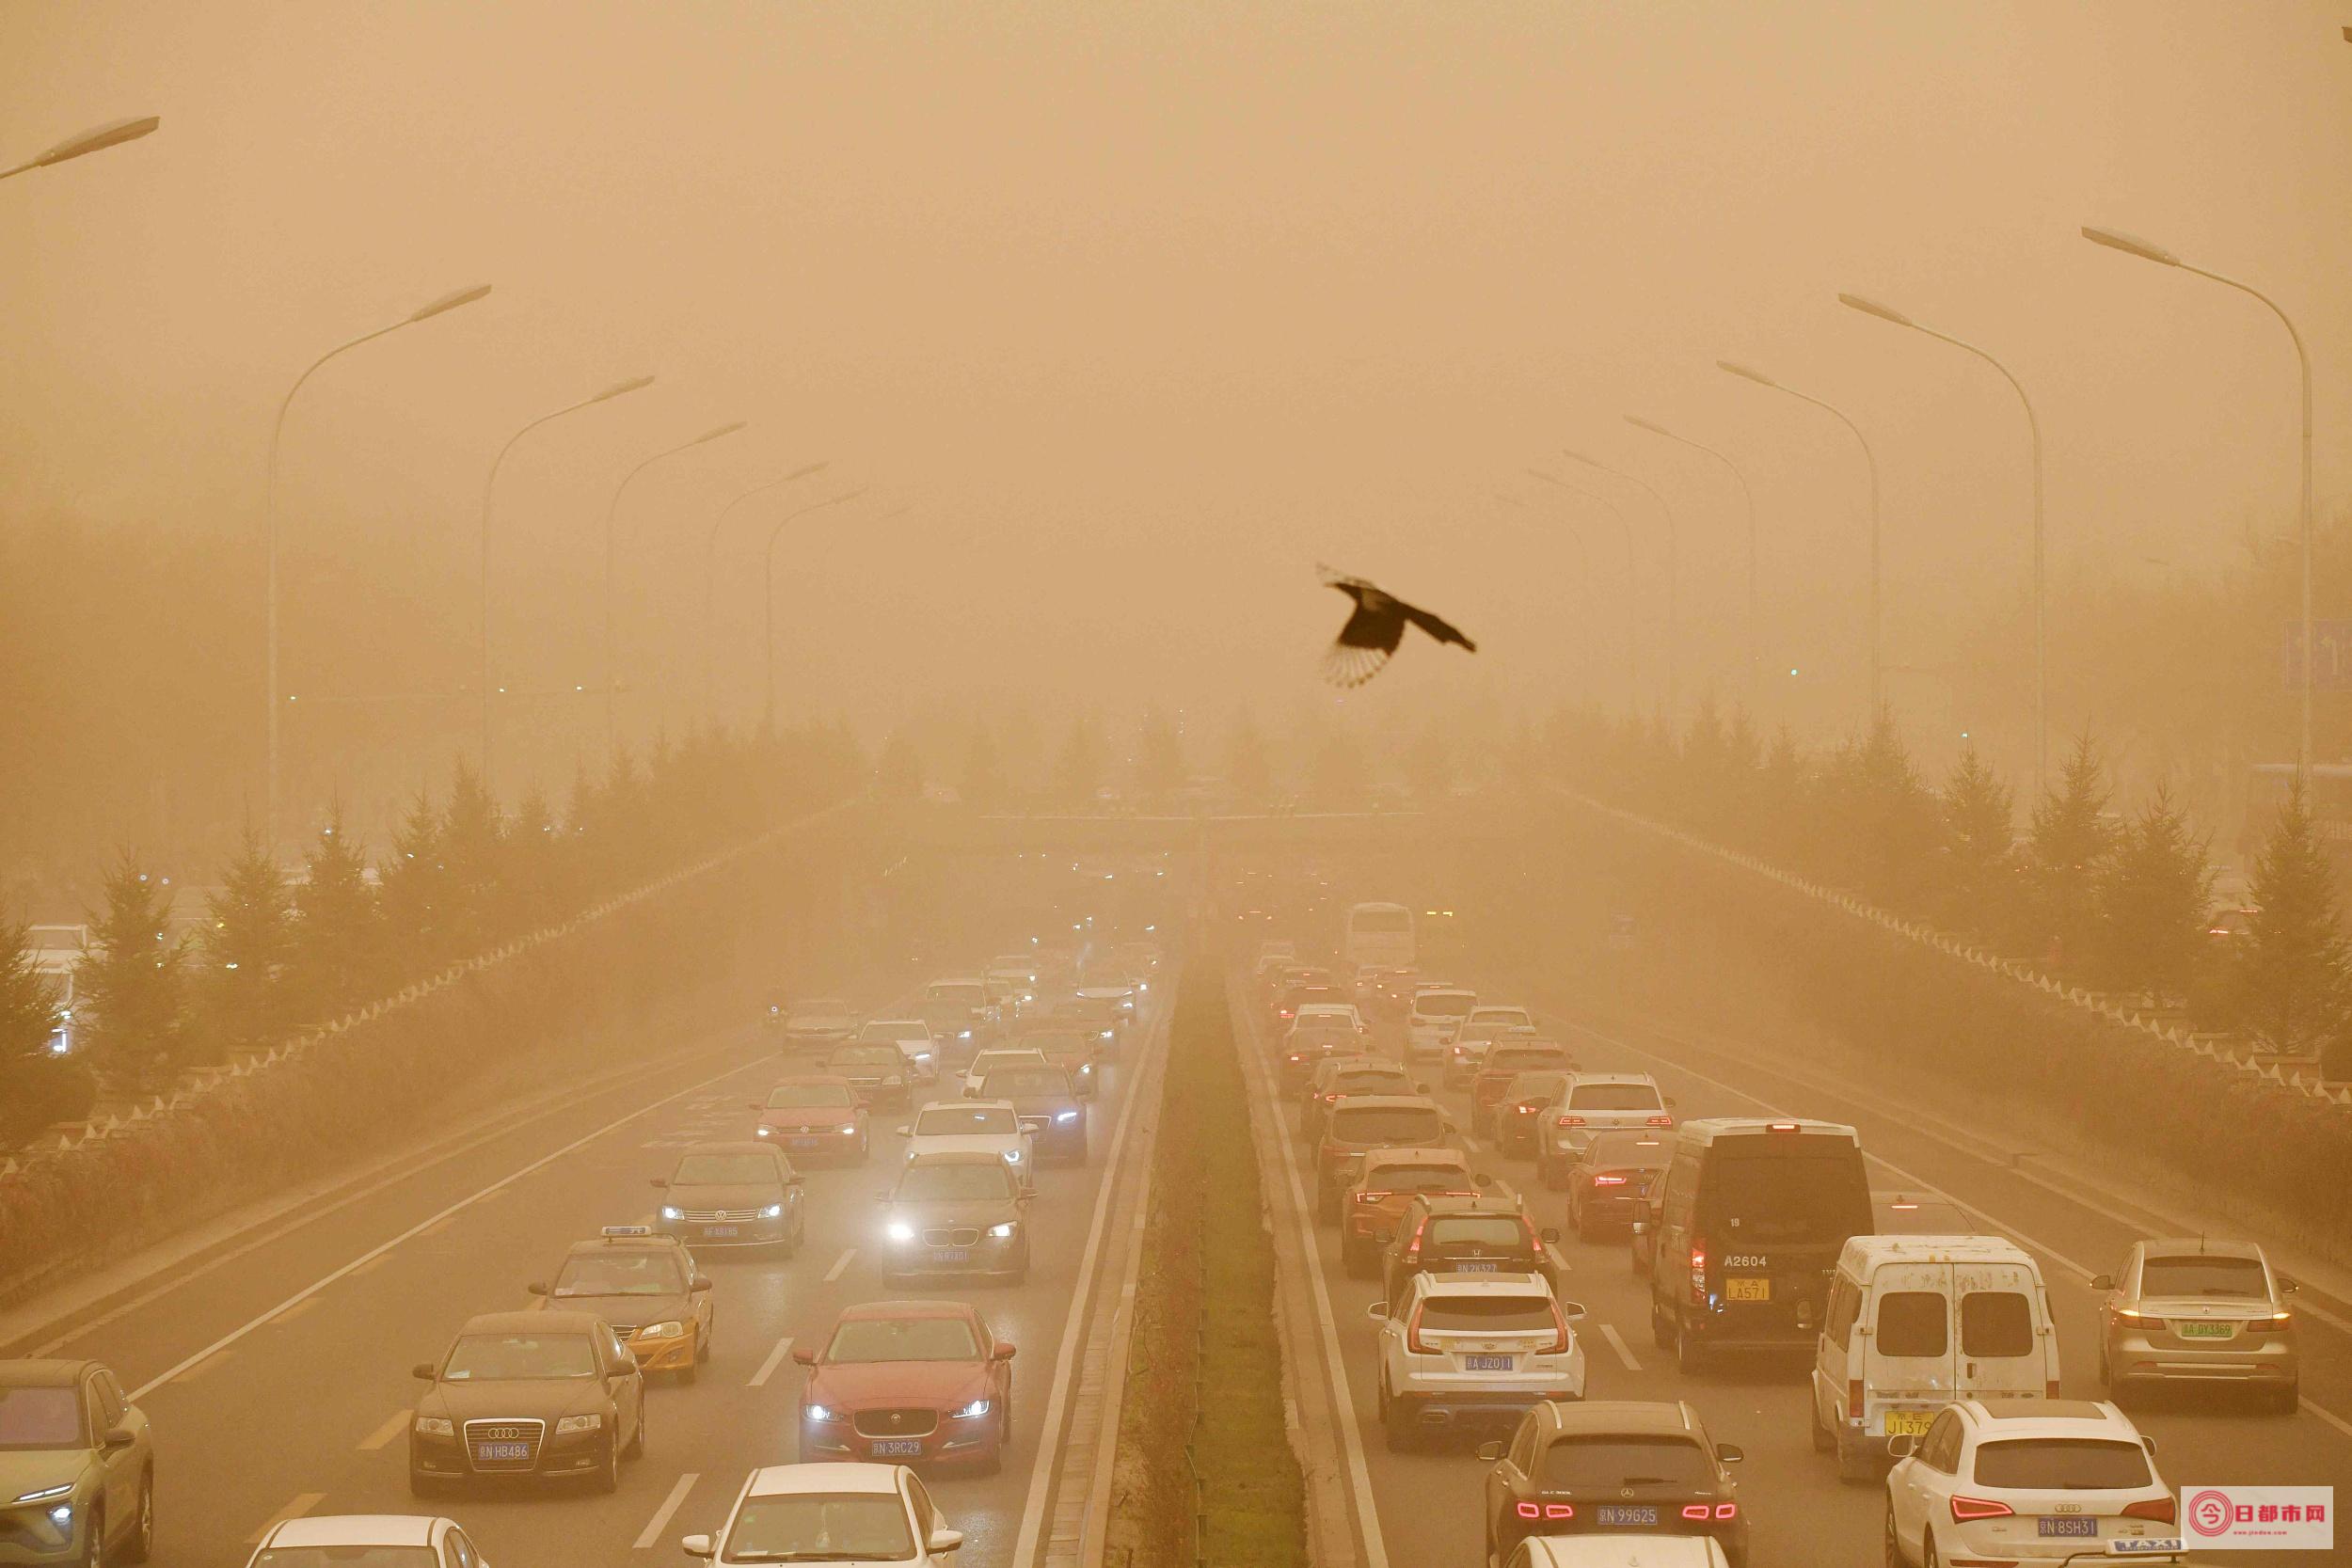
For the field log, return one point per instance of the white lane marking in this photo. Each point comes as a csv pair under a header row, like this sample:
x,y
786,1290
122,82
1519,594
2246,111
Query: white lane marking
x,y
302,1504
2043,1247
660,1520
1026,1543
1335,1366
840,1266
431,1223
1616,1342
383,1435
775,1359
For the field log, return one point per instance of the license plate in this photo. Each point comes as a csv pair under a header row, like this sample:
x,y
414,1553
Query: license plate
x,y
951,1255
1488,1363
1627,1513
888,1447
720,1229
1747,1290
1476,1267
2201,1330
1908,1422
500,1453
804,1143
2070,1528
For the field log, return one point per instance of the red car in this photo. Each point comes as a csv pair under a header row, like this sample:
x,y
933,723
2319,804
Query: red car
x,y
908,1383
814,1116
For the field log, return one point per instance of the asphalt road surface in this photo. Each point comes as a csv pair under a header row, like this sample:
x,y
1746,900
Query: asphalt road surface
x,y
1424,1508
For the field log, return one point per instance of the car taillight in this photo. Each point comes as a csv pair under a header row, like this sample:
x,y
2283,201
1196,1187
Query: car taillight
x,y
1559,1345
1296,1058
2278,1322
1965,1509
1370,1197
1571,1121
2158,1509
1608,1181
1413,1340
1696,1510
1726,1511
1525,1110
1412,1248
1529,1510
1698,1272
1853,1398
2125,1315
1545,1510
1661,1121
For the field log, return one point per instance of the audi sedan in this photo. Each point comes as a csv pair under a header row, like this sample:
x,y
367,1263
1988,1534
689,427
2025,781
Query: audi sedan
x,y
911,1381
527,1396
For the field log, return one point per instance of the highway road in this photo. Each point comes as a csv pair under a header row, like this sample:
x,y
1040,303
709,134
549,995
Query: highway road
x,y
1422,1508
277,1380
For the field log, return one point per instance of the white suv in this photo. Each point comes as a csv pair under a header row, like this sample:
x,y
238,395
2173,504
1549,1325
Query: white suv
x,y
997,1060
831,1512
1594,1102
2028,1480
913,1038
967,1126
1473,1351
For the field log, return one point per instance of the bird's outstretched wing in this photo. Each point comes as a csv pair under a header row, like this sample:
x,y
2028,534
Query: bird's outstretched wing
x,y
1344,666
1441,631
1372,633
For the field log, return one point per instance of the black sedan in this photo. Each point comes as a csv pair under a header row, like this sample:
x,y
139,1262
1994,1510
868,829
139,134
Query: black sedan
x,y
527,1396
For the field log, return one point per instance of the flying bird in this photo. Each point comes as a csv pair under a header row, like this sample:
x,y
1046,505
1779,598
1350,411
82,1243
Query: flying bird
x,y
1372,633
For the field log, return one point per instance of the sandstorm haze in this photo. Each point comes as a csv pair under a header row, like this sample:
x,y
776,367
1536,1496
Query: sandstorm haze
x,y
1123,317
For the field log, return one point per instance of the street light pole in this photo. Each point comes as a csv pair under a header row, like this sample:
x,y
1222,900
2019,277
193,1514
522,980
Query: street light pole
x,y
612,511
1747,499
88,142
270,525
767,584
2040,596
1673,584
1633,582
1869,461
711,578
2129,245
489,485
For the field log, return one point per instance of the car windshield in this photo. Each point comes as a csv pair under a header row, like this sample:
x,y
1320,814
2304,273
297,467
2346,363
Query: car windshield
x,y
2203,1276
1418,1178
793,1097
947,1121
891,1034
1797,1196
1058,1039
1370,1080
869,1055
1444,1005
1025,1083
1508,1017
1387,1124
1486,1314
2062,1464
821,1526
997,1061
903,1339
964,1182
40,1418
726,1170
1381,921
505,1358
636,1273
1923,1219
960,996
1519,1059
1612,1097
1477,1230
1626,1465
346,1557
822,1007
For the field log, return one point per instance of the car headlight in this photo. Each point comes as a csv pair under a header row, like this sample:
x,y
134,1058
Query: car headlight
x,y
662,1331
1013,1156
963,1034
1084,1067
773,1211
900,1230
894,1078
922,1056
589,1423
62,1515
1065,1116
819,1413
45,1491
670,1211
848,1129
978,1407
762,1132
1003,1233
1108,1033
437,1426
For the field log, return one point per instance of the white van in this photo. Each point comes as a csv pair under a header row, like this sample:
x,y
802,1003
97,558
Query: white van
x,y
1914,1322
1436,1012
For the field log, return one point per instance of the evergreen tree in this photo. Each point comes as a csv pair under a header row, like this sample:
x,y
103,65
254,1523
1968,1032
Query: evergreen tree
x,y
898,772
1160,755
31,1001
533,892
37,1089
412,885
1979,828
1078,770
2155,901
335,961
1880,816
2294,975
1247,768
472,846
2066,852
983,783
244,948
131,982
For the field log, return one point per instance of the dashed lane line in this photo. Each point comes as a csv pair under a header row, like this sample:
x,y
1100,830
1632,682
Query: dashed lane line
x,y
660,1520
840,1266
291,1313
1616,1342
382,1436
775,1359
302,1504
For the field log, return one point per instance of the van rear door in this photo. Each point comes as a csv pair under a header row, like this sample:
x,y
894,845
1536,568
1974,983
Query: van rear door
x,y
1907,1368
2005,1347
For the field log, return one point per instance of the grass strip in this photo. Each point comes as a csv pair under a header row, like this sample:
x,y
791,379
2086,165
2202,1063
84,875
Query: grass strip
x,y
1203,1405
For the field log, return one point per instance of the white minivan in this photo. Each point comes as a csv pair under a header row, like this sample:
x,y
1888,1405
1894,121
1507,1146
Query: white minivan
x,y
1914,1322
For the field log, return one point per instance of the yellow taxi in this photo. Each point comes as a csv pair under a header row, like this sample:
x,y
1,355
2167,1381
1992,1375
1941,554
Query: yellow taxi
x,y
643,1284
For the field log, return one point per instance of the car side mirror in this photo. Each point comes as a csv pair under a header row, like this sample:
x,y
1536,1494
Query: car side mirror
x,y
1668,1100
658,1181
1022,1198
2151,1446
804,1356
697,1546
121,1438
1421,1088
1572,1310
424,1371
538,1287
2103,1282
902,1132
944,1540
700,1282
1902,1445
754,1105
1490,1453
1729,1453
1377,1311
1003,1352
1551,1235
2288,1287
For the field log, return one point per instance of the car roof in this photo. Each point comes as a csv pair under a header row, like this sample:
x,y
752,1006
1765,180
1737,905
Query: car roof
x,y
552,1320
1417,1155
1597,1550
1641,1416
1708,1128
651,1242
961,1104
1873,1251
809,1080
771,1481
1384,1102
912,1307
2051,1418
954,980
955,1157
733,1146
356,1529
1470,1203
1455,1284
2196,1247
897,1023
1612,1078
41,1373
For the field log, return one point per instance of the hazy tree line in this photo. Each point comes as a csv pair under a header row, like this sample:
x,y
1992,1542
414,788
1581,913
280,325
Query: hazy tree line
x,y
276,953
2119,898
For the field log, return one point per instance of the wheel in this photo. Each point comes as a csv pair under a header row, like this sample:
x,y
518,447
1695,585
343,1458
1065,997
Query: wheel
x,y
702,1345
1824,1440
1326,1207
1690,1355
421,1484
1583,1223
94,1538
142,1543
1396,1426
2107,1371
1929,1556
1638,1260
1352,1262
687,1374
636,1448
1658,1329
1004,1427
2287,1401
1891,1543
608,1478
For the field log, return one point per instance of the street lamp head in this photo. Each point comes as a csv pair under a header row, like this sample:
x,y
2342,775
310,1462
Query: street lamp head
x,y
448,302
714,434
1747,372
99,140
1653,427
2131,244
1872,308
634,383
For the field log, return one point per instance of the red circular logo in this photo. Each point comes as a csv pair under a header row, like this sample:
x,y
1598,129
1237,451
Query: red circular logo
x,y
2209,1512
